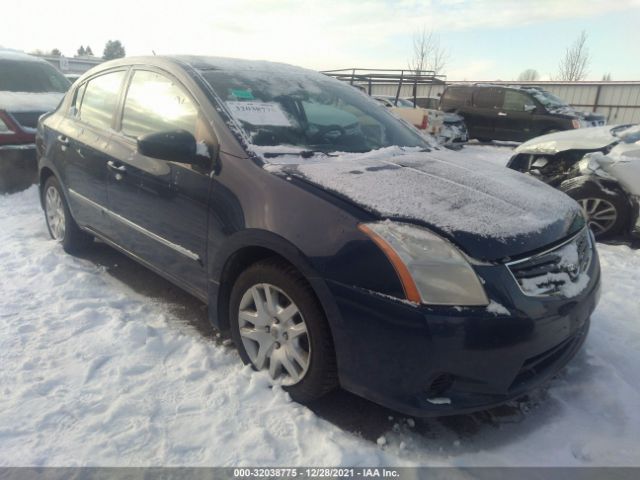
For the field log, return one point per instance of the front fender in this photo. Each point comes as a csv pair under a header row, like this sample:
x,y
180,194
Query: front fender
x,y
221,262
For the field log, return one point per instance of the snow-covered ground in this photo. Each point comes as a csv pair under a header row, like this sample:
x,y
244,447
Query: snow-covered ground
x,y
94,373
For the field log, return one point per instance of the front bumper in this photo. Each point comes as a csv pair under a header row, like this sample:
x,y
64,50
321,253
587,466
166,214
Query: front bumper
x,y
635,214
433,361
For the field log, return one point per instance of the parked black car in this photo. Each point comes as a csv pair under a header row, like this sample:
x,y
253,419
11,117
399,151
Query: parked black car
x,y
500,112
393,271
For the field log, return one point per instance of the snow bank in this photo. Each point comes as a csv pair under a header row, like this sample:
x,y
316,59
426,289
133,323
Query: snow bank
x,y
96,374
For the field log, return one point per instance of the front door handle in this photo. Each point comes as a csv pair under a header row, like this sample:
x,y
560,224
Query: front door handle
x,y
117,168
502,114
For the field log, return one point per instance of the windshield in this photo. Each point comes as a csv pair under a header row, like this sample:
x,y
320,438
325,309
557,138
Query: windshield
x,y
549,100
403,103
31,76
291,107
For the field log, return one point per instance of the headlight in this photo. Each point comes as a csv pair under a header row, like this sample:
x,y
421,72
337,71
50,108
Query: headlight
x,y
431,269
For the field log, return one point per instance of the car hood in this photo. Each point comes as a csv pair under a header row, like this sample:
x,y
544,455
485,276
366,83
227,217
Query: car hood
x,y
29,102
489,211
593,138
572,112
450,117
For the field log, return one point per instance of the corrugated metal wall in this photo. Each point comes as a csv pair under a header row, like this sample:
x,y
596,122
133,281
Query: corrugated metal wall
x,y
618,101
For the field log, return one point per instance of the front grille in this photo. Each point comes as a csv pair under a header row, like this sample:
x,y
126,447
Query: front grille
x,y
559,271
27,119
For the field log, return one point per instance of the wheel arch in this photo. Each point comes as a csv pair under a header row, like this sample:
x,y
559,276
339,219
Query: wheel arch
x,y
611,186
43,176
599,182
247,248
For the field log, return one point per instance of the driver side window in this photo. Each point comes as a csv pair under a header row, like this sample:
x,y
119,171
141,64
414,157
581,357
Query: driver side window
x,y
154,104
516,101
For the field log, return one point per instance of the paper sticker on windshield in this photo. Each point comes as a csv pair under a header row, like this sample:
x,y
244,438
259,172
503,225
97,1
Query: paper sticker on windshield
x,y
259,113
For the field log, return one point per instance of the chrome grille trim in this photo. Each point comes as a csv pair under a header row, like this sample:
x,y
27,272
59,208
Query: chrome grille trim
x,y
547,262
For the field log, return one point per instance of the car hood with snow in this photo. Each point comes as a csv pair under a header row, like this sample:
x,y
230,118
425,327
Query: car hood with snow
x,y
491,209
581,139
587,119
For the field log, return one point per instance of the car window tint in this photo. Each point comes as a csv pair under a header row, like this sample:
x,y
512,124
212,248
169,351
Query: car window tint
x,y
488,98
455,95
516,101
155,103
100,99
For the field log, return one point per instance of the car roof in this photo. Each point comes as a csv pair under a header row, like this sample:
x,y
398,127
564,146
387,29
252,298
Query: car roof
x,y
207,63
17,55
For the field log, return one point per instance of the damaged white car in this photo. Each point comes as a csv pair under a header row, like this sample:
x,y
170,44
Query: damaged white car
x,y
598,167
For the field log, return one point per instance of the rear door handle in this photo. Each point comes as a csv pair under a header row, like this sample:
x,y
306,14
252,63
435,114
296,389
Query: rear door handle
x,y
64,141
502,114
118,168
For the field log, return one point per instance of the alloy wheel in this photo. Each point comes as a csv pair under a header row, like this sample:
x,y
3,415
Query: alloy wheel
x,y
54,209
274,333
601,214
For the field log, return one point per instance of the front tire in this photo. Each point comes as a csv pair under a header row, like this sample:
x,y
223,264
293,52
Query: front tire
x,y
278,326
61,225
607,210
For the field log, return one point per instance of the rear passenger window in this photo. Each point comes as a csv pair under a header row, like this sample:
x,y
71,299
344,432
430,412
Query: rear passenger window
x,y
488,98
516,101
155,103
100,99
455,96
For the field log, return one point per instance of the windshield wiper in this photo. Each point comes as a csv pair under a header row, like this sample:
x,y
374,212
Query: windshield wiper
x,y
301,153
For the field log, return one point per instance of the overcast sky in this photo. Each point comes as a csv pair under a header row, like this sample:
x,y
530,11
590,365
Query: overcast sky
x,y
486,39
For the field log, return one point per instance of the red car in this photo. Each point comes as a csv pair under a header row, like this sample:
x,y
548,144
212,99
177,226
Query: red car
x,y
29,87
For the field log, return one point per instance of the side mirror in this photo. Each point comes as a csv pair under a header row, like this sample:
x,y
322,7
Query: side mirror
x,y
175,145
530,108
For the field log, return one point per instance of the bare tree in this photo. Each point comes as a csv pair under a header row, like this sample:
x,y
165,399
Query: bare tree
x,y
428,54
574,65
529,75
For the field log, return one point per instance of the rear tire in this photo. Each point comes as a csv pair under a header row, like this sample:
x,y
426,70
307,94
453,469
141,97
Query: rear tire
x,y
607,211
61,225
277,341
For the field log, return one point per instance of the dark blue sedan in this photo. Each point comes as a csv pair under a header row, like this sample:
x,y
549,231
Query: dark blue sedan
x,y
330,239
